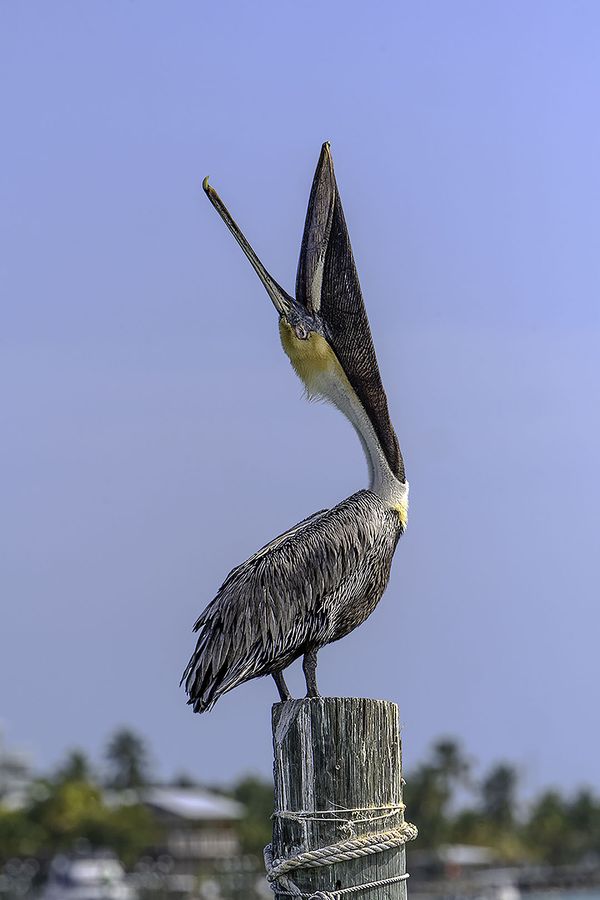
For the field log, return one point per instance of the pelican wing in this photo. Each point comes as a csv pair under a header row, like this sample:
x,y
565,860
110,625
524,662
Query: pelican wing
x,y
278,603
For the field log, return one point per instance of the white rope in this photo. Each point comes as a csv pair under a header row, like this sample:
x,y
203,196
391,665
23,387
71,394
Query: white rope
x,y
333,895
354,848
340,814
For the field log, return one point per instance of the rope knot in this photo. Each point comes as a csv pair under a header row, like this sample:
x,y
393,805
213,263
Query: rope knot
x,y
352,848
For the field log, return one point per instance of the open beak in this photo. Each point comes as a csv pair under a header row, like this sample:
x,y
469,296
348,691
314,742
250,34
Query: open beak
x,y
281,300
327,284
327,287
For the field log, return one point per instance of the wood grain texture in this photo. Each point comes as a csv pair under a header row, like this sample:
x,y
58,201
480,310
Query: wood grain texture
x,y
338,753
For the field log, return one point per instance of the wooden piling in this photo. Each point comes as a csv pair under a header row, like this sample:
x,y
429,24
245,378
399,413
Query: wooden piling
x,y
338,777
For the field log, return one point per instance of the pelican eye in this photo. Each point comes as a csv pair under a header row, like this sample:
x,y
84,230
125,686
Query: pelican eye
x,y
301,332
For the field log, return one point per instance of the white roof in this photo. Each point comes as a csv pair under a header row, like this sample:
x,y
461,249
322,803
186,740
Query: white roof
x,y
465,854
191,803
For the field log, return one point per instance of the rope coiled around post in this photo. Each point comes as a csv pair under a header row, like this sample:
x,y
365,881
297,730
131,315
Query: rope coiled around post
x,y
353,848
334,895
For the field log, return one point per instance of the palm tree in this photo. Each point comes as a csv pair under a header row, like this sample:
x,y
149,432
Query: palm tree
x,y
128,761
498,795
76,767
430,788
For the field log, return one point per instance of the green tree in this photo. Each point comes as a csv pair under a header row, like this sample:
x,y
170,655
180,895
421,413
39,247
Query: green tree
x,y
76,767
19,835
547,830
62,809
426,796
430,789
254,830
498,795
61,814
128,760
449,759
583,813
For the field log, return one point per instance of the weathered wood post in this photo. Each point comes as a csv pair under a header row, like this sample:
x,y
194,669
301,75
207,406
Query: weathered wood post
x,y
338,825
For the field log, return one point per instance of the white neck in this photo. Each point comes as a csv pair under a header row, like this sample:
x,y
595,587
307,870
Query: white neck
x,y
381,478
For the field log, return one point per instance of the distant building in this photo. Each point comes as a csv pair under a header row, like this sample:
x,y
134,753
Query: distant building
x,y
199,826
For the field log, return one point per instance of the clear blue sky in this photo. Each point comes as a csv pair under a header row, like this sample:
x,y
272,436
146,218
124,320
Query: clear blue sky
x,y
153,433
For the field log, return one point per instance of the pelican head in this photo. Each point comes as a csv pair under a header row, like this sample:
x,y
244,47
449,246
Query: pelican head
x,y
325,331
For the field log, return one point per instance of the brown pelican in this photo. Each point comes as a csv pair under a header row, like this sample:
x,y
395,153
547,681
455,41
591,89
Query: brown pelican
x,y
321,579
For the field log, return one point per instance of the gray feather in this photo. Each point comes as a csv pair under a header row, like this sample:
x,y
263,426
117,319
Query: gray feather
x,y
308,587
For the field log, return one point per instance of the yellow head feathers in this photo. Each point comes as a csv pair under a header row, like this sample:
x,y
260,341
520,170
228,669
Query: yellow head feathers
x,y
311,357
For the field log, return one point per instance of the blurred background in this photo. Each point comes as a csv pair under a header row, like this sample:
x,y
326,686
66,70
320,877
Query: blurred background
x,y
154,435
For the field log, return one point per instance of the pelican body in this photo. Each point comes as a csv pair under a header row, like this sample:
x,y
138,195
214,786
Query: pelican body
x,y
317,582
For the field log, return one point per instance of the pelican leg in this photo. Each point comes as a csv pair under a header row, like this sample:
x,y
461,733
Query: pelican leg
x,y
284,691
309,666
